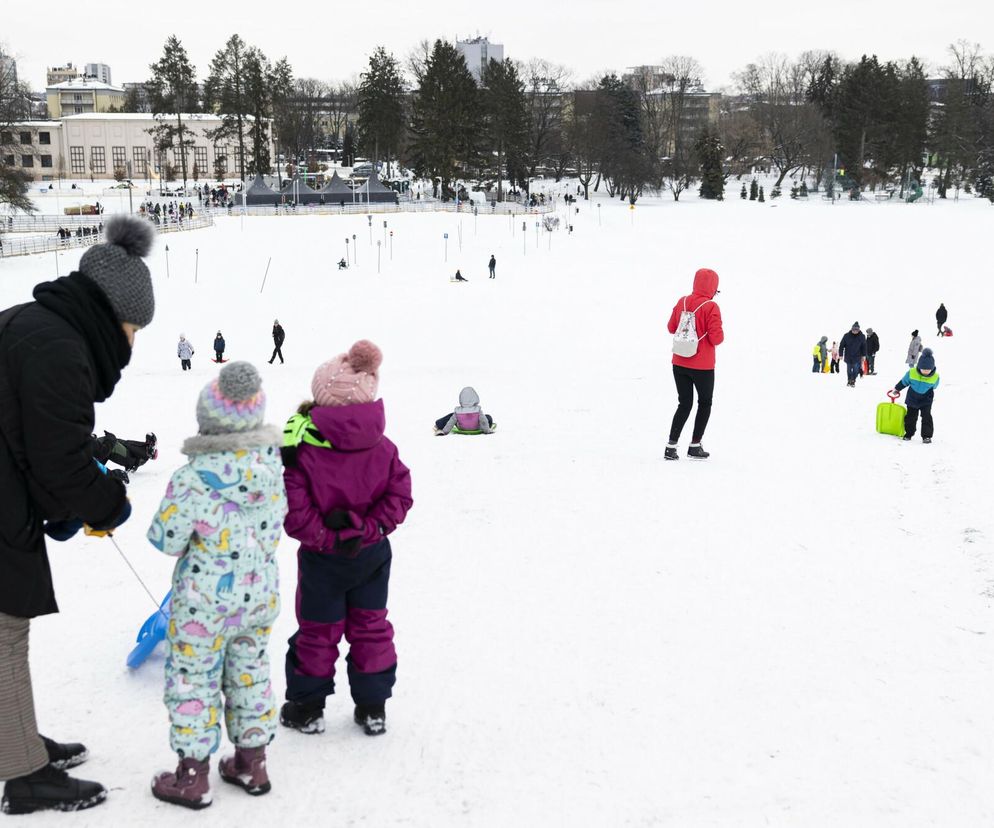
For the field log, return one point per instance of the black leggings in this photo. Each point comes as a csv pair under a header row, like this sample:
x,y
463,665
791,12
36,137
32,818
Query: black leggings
x,y
688,379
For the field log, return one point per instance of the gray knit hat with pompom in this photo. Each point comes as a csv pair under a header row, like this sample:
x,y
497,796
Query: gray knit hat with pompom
x,y
116,266
233,402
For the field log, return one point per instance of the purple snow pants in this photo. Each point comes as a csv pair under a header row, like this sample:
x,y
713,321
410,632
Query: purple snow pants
x,y
338,595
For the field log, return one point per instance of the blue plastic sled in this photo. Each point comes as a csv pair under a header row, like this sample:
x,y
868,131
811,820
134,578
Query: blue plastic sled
x,y
151,633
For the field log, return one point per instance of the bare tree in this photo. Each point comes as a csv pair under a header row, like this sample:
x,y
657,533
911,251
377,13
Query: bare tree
x,y
546,88
341,108
13,98
684,76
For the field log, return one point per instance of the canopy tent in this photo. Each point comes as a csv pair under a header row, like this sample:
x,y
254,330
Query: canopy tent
x,y
259,192
297,190
336,190
376,192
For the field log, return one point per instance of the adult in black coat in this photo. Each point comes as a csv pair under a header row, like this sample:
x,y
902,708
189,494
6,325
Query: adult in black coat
x,y
58,356
219,348
940,317
872,346
278,337
852,348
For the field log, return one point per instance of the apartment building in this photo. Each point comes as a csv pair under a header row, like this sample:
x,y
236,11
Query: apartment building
x,y
79,96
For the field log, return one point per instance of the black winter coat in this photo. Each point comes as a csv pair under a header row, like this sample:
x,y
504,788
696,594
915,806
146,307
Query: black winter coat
x,y
52,370
278,336
872,344
852,348
941,315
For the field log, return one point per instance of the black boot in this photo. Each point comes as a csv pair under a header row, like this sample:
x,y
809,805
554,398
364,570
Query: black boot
x,y
698,452
307,718
65,756
670,453
50,789
372,718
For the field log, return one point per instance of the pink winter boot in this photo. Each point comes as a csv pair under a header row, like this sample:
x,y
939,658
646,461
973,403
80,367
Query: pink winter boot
x,y
247,770
189,786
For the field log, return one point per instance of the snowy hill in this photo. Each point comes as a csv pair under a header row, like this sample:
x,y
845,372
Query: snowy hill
x,y
795,632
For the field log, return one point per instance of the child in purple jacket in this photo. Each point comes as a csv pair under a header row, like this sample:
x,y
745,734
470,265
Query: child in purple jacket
x,y
346,491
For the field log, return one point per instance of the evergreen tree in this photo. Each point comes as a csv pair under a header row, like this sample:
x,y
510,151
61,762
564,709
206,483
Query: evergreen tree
x,y
793,191
381,108
624,159
281,94
505,110
14,181
225,94
754,190
761,196
258,96
804,189
775,192
348,146
172,91
446,118
710,154
743,195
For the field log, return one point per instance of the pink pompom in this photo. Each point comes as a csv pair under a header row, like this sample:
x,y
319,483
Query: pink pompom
x,y
365,356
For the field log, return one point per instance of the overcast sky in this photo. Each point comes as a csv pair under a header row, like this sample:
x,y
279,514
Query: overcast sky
x,y
332,41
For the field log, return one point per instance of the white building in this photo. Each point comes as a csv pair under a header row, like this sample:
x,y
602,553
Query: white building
x,y
60,74
477,53
98,71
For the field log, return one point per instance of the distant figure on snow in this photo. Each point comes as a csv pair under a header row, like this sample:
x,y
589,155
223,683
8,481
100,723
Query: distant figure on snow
x,y
853,349
921,382
872,346
219,348
940,318
820,355
184,350
493,266
914,349
459,277
835,358
468,417
278,337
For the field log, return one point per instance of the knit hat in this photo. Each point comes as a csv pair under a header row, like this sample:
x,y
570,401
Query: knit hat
x,y
855,325
349,378
869,330
234,401
926,361
914,332
116,266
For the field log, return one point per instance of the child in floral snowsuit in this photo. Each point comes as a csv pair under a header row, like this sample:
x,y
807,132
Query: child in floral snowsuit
x,y
222,515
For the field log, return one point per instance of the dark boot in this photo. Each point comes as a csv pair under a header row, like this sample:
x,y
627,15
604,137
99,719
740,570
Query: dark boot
x,y
696,451
247,770
307,718
188,786
670,453
50,789
372,718
65,756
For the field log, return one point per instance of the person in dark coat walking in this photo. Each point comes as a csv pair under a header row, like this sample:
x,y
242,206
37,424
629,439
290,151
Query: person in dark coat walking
x,y
852,349
278,337
872,346
219,347
59,355
940,317
493,266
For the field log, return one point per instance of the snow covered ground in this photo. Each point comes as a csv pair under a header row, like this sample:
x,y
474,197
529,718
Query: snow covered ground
x,y
797,632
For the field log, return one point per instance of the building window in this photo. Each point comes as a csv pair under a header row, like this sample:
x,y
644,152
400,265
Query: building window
x,y
200,159
141,162
27,160
77,161
236,161
6,137
8,160
45,138
98,160
46,160
119,158
26,138
77,97
77,109
220,161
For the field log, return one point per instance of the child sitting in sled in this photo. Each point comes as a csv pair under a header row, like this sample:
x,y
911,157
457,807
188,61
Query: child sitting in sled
x,y
468,417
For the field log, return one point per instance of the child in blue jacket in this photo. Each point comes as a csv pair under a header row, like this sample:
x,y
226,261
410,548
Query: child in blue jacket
x,y
921,382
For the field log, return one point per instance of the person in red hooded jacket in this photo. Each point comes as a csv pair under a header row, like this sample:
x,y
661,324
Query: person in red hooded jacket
x,y
697,371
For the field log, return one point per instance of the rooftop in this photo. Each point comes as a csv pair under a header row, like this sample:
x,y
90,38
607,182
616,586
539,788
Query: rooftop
x,y
85,83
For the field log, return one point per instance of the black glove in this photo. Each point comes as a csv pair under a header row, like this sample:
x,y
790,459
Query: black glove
x,y
62,530
349,547
119,474
339,519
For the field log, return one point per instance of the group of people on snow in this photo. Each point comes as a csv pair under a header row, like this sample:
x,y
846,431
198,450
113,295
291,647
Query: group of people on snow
x,y
185,351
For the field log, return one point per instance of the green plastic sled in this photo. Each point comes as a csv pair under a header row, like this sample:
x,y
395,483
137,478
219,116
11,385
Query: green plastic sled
x,y
890,418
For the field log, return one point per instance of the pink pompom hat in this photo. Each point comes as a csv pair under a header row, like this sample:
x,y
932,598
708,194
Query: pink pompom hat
x,y
349,378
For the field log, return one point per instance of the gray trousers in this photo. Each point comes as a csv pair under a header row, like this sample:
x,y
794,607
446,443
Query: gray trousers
x,y
21,748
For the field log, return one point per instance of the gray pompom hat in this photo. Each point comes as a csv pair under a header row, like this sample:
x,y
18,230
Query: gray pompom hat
x,y
117,267
232,402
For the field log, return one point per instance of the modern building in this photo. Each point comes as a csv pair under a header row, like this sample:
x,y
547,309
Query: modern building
x,y
97,71
76,97
119,144
60,74
477,53
137,96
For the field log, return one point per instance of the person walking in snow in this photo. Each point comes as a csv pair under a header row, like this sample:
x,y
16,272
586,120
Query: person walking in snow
x,y
696,373
940,317
185,352
492,264
835,358
59,355
921,382
852,349
820,355
914,349
219,348
872,346
222,516
467,418
347,491
278,337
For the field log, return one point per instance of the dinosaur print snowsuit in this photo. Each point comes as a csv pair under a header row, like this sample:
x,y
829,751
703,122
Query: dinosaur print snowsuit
x,y
222,515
